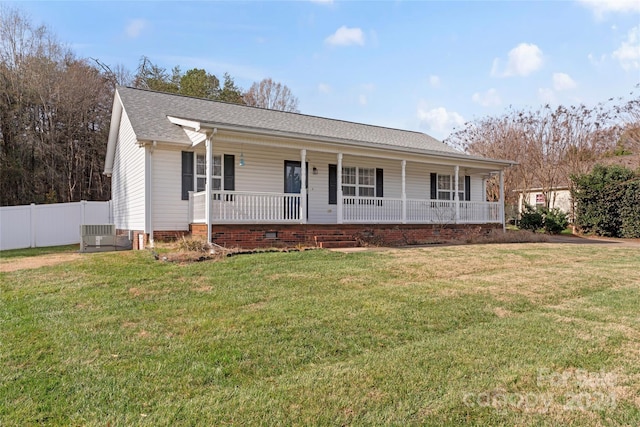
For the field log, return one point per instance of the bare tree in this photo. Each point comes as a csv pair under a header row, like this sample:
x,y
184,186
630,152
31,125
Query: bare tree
x,y
54,113
550,145
271,95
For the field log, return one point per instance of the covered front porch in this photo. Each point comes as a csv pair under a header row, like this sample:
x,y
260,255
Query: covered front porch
x,y
245,207
263,179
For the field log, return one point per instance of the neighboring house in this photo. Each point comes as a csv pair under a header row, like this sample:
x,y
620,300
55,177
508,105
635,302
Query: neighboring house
x,y
285,178
560,195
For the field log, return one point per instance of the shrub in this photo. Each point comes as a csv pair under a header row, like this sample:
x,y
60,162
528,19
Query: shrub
x,y
630,211
554,220
607,202
531,218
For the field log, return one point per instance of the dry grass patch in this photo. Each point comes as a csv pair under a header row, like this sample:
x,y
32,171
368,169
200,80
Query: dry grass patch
x,y
324,338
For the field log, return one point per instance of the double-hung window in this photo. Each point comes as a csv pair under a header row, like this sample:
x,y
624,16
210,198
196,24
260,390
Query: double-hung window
x,y
349,181
201,173
446,187
366,182
443,187
194,173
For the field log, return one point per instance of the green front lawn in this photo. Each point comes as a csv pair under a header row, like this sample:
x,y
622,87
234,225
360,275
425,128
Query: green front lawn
x,y
31,252
533,334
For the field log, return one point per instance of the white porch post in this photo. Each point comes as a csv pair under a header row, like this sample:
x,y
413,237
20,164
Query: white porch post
x,y
456,198
504,225
339,185
303,186
207,187
404,191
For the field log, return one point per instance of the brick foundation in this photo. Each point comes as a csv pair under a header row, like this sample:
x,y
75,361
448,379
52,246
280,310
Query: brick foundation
x,y
256,236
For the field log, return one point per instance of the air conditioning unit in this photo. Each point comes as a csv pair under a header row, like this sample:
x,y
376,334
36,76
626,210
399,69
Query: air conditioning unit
x,y
97,237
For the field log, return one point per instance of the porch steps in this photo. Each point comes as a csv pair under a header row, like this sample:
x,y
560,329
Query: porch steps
x,y
334,241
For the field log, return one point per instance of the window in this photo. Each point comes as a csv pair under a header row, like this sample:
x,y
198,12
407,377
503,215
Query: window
x,y
201,173
194,174
361,182
348,181
446,187
366,182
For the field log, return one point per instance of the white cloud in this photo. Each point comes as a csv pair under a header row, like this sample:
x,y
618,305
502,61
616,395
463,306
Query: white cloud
x,y
628,54
135,27
345,36
546,95
324,88
596,61
362,99
434,81
488,99
562,81
522,60
439,120
602,7
322,1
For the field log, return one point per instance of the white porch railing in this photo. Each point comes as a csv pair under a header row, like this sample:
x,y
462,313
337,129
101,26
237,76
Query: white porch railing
x,y
479,212
248,207
430,211
252,207
371,210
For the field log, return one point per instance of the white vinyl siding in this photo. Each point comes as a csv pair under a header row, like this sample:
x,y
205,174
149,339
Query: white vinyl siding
x,y
127,183
170,212
264,172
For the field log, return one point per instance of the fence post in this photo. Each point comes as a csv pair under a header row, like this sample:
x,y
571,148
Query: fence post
x,y
32,226
83,204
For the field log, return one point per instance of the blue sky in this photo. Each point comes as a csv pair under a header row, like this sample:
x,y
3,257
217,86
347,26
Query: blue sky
x,y
418,65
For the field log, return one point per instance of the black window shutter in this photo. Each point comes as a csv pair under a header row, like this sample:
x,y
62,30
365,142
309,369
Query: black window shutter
x,y
379,183
434,186
467,187
187,174
333,184
229,172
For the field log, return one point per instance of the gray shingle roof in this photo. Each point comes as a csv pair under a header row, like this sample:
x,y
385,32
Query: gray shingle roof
x,y
148,111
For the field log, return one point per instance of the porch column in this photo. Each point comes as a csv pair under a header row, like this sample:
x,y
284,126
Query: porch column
x,y
501,210
456,198
303,186
339,185
404,191
207,187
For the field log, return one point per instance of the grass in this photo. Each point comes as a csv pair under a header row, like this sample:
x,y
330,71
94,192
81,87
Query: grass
x,y
480,335
31,252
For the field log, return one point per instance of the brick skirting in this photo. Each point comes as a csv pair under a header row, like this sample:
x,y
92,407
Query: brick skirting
x,y
278,235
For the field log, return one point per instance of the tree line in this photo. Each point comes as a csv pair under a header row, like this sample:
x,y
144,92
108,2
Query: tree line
x,y
55,111
552,144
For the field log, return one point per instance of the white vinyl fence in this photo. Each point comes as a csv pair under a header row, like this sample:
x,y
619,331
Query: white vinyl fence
x,y
32,226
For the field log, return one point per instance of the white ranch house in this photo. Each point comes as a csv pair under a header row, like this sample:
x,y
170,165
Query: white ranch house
x,y
181,164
